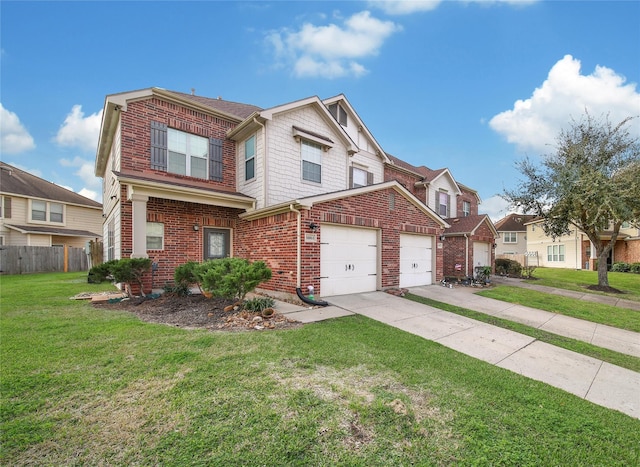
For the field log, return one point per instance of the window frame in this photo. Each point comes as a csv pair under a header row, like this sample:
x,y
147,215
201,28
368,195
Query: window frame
x,y
556,253
446,206
306,160
250,161
513,237
226,236
466,208
189,154
339,113
150,225
46,212
5,207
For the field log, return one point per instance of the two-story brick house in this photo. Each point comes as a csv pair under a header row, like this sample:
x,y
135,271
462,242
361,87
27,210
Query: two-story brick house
x,y
469,239
301,186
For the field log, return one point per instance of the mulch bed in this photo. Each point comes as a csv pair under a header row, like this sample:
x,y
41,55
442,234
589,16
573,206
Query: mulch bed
x,y
198,312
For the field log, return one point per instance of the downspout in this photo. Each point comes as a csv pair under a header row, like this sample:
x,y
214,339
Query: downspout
x,y
466,255
264,163
299,260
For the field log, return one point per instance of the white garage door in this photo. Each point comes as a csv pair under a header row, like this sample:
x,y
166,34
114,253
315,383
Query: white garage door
x,y
348,260
480,254
416,264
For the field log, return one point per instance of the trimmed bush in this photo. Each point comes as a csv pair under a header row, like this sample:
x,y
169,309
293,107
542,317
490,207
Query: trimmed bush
x,y
131,270
634,268
186,275
101,272
620,267
232,278
508,267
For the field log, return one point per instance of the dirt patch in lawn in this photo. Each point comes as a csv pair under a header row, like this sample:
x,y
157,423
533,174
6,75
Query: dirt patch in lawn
x,y
199,312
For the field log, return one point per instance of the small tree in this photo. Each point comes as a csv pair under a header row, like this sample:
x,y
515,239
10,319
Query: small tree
x,y
591,183
131,271
232,278
186,275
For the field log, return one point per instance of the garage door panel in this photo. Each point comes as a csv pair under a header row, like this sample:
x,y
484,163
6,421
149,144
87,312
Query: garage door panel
x,y
416,260
348,260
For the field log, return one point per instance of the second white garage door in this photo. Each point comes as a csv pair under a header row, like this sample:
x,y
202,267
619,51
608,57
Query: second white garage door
x,y
416,264
348,260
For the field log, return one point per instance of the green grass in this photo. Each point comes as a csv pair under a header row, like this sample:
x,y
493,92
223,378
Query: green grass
x,y
610,356
601,313
577,280
89,386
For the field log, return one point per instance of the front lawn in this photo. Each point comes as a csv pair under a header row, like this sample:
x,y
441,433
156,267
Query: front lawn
x,y
88,386
578,280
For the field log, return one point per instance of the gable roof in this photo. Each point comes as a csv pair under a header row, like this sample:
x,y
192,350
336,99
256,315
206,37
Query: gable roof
x,y
18,182
237,109
468,225
514,222
425,174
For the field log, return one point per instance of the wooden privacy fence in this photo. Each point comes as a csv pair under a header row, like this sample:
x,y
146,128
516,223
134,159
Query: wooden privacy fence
x,y
28,259
527,259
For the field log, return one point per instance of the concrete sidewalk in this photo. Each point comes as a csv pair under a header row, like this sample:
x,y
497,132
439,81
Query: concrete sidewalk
x,y
592,379
608,337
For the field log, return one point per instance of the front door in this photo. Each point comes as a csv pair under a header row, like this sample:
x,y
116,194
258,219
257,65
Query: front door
x,y
217,243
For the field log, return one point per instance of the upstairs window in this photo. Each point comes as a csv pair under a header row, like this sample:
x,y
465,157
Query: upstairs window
x,y
443,203
510,237
338,113
5,207
311,161
359,177
45,211
466,208
250,158
188,154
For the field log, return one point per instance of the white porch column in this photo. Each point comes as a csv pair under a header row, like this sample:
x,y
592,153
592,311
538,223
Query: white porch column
x,y
139,225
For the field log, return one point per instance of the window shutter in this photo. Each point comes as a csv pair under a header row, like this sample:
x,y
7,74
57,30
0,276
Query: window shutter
x,y
7,208
158,146
350,177
369,178
215,159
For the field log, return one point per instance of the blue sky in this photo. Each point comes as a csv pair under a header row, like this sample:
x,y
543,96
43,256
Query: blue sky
x,y
469,85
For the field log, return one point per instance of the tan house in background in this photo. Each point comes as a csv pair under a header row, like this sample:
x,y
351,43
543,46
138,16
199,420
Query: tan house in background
x,y
35,212
512,231
575,251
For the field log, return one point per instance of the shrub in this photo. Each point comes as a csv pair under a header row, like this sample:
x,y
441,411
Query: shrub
x,y
259,303
101,272
186,275
634,268
131,270
179,289
508,267
621,267
232,278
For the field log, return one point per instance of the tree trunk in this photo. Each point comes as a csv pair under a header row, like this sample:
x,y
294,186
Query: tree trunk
x,y
603,275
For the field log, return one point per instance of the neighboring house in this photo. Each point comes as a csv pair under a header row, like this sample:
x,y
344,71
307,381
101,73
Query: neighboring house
x,y
512,230
575,251
35,212
301,186
468,241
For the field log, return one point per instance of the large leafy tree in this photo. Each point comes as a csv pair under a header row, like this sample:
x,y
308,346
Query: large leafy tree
x,y
591,182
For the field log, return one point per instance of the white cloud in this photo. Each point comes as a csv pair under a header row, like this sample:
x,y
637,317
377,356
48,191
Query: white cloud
x,y
405,7
85,171
80,131
534,123
408,7
14,137
332,51
495,207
